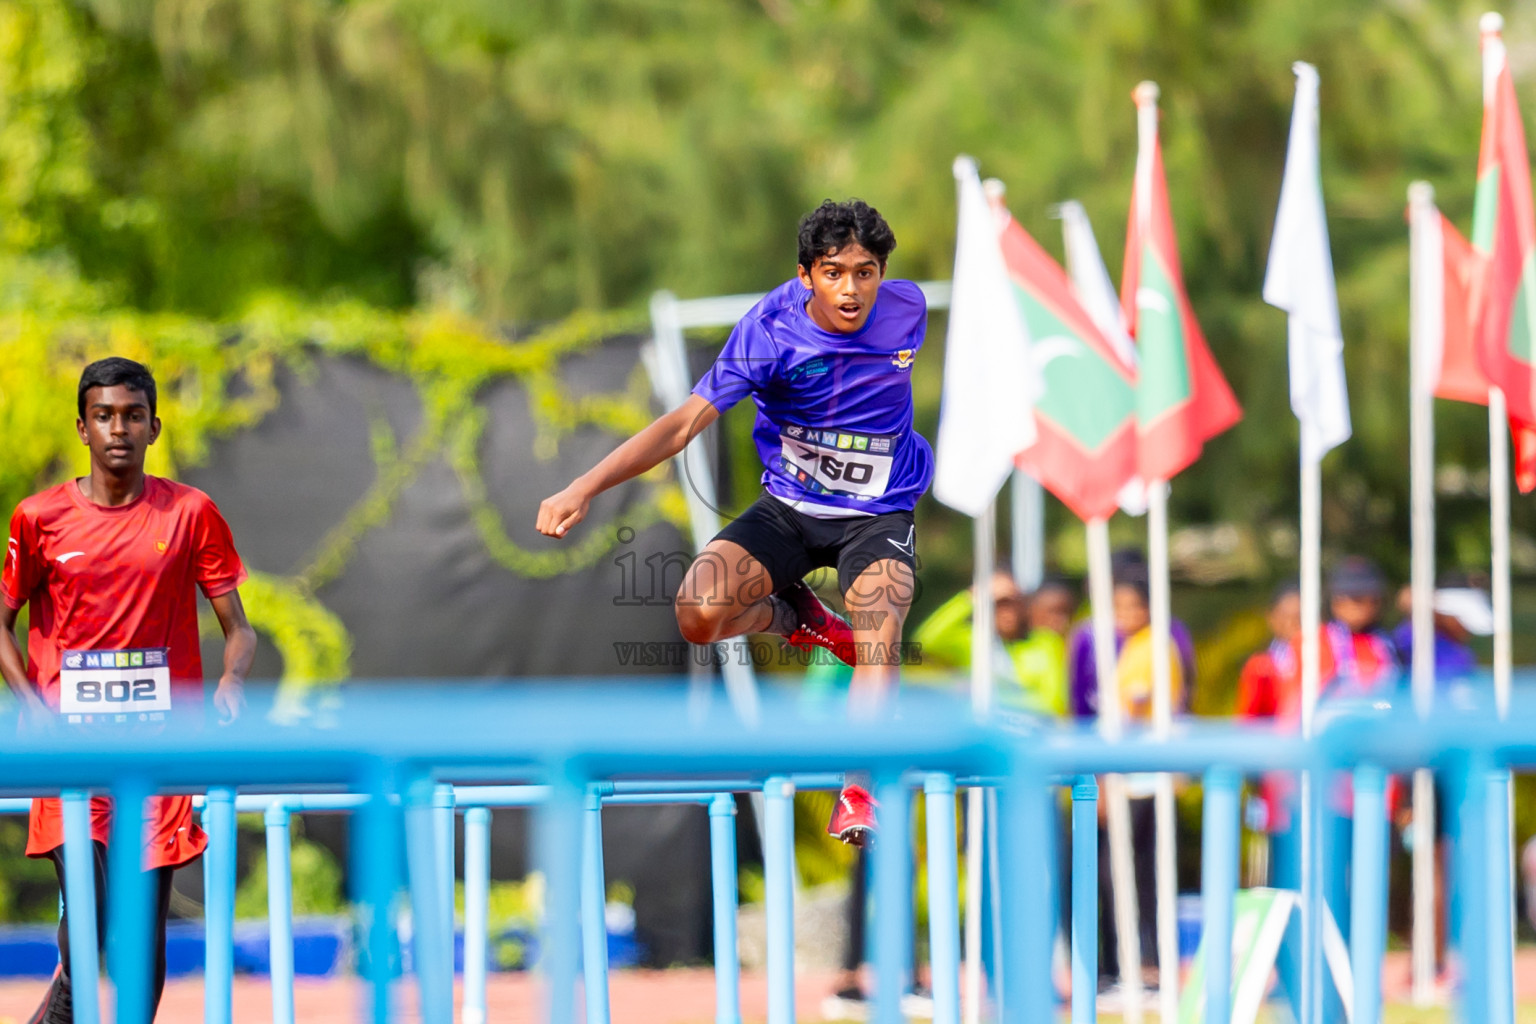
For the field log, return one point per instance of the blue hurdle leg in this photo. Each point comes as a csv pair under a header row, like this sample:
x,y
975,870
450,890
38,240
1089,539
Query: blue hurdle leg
x,y
130,895
559,824
477,889
1085,899
376,868
893,902
280,910
1368,918
80,898
594,897
943,898
444,818
219,871
722,858
1219,889
1314,979
1028,901
1471,868
779,893
1501,902
424,871
994,903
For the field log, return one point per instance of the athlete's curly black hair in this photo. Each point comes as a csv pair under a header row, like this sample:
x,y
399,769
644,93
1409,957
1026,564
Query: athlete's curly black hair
x,y
115,370
831,226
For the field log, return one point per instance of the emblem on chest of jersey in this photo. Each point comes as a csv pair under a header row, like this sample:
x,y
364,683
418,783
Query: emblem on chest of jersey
x,y
904,358
810,368
160,546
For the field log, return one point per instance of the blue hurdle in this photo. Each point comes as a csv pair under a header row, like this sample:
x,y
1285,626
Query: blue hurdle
x,y
391,769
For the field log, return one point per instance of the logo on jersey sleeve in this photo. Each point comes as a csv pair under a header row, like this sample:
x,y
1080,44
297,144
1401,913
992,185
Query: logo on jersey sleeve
x,y
904,358
66,556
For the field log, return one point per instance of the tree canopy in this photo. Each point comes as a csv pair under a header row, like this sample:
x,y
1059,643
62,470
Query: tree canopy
x,y
520,161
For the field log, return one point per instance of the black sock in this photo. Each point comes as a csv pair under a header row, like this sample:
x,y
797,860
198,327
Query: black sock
x,y
785,620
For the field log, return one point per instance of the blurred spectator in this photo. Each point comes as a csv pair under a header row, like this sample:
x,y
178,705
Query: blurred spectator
x,y
1053,606
1267,686
1131,588
1462,611
1133,675
1029,663
1357,656
1270,687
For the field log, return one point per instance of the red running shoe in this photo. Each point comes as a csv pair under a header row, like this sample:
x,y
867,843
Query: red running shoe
x,y
853,819
819,625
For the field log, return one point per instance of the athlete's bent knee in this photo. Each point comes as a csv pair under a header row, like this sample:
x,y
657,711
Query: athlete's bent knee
x,y
699,623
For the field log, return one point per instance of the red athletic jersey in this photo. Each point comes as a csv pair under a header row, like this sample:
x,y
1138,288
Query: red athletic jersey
x,y
99,579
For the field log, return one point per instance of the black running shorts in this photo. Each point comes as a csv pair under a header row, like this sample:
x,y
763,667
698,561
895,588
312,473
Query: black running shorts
x,y
791,544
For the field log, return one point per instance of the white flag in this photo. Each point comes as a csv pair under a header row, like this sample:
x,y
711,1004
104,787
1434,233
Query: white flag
x,y
1300,281
1095,290
1090,279
987,413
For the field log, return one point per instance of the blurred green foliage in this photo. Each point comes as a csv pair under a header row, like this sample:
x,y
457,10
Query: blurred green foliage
x,y
520,160
175,164
316,884
29,888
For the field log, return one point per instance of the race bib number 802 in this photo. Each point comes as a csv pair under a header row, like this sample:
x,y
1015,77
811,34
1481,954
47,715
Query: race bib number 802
x,y
122,686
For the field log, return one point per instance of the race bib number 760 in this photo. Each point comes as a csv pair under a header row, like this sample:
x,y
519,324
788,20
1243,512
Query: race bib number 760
x,y
836,462
122,686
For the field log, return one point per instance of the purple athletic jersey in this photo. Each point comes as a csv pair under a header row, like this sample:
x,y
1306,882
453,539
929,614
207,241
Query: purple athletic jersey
x,y
834,411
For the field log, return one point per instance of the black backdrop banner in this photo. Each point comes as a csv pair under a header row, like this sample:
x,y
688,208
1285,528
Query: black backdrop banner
x,y
426,567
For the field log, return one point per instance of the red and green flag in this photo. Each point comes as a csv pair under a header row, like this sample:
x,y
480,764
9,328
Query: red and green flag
x,y
1085,419
1182,399
1504,231
1503,282
1456,371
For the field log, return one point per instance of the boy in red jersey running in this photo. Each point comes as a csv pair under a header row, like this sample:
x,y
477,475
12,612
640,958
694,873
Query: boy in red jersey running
x,y
827,358
110,565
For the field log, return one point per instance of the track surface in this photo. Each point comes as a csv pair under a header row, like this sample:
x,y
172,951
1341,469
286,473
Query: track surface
x,y
679,996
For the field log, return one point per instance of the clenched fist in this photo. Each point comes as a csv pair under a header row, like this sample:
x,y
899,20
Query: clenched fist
x,y
559,512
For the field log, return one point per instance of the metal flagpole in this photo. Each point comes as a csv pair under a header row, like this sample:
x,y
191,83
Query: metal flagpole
x,y
1426,342
1312,981
1498,437
1028,512
666,359
1121,865
982,644
1162,725
1162,623
1501,1007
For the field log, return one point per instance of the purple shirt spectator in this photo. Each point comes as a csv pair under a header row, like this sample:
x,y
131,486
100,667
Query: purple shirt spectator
x,y
1082,674
1454,661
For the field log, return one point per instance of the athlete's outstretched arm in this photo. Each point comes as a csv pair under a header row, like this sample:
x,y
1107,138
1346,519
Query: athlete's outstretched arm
x,y
15,669
664,438
239,652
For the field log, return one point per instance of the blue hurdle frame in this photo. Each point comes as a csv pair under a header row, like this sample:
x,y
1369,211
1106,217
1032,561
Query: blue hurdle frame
x,y
397,780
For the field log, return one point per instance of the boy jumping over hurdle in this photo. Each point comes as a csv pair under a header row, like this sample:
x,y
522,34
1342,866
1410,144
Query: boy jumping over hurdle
x,y
827,357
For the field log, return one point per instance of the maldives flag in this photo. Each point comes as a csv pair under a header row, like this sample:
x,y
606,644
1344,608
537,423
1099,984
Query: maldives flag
x,y
1504,231
1458,375
1085,421
1181,397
